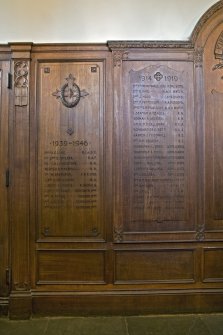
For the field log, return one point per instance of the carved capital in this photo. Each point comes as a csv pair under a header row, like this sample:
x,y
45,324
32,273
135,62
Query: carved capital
x,y
21,82
198,57
118,56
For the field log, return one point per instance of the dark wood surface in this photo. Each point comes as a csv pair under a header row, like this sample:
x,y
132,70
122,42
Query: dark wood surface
x,y
115,160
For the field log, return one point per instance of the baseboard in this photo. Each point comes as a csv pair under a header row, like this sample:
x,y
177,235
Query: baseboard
x,y
126,303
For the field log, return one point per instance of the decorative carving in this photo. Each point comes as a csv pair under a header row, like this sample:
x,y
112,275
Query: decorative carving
x,y
21,286
21,72
46,231
198,57
70,131
70,93
158,76
200,232
118,234
95,232
219,52
118,56
216,7
149,44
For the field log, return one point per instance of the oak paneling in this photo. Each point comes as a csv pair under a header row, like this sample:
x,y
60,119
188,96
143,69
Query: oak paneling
x,y
156,170
70,156
172,266
213,265
86,266
213,132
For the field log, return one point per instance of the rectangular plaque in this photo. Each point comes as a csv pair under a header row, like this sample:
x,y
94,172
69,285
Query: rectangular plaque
x,y
159,144
70,150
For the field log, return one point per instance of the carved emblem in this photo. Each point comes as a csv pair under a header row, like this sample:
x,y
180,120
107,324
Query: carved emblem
x,y
21,72
70,93
158,76
70,131
219,52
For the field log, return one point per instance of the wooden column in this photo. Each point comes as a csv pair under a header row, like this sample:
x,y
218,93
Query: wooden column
x,y
20,298
4,187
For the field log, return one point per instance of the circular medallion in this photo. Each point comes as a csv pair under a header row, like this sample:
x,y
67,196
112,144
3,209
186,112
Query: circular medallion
x,y
70,95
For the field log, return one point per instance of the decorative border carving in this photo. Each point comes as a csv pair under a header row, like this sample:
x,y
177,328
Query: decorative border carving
x,y
113,45
211,11
21,83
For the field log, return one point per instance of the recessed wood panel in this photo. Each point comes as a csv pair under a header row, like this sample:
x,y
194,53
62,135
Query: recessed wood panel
x,y
55,267
213,130
213,265
70,156
155,266
158,147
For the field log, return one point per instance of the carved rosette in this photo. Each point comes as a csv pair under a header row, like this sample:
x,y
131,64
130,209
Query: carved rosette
x,y
21,83
118,57
198,57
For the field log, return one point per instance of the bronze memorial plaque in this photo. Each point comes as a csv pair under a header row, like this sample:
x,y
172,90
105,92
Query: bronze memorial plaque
x,y
70,150
159,165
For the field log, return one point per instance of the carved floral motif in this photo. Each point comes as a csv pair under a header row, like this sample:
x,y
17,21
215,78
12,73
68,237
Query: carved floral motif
x,y
21,82
200,232
118,234
118,56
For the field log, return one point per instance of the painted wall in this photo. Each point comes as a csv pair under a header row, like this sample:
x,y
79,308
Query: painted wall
x,y
98,20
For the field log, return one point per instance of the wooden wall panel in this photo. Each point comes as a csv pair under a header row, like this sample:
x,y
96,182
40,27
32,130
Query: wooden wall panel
x,y
158,169
63,266
155,266
116,176
213,138
213,265
71,156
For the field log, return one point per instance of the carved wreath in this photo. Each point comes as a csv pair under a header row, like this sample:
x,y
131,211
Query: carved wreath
x,y
70,93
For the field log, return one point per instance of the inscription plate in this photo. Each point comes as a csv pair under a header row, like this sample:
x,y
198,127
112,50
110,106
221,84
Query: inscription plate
x,y
157,171
70,146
